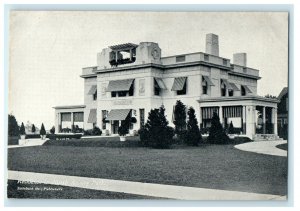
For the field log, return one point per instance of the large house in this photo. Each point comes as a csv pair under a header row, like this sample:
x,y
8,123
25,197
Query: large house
x,y
130,80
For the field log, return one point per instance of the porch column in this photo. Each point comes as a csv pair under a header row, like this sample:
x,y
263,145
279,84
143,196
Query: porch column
x,y
250,121
116,56
131,54
244,120
264,120
221,115
72,120
200,117
58,123
274,112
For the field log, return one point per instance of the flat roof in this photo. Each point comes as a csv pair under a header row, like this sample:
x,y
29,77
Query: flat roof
x,y
69,106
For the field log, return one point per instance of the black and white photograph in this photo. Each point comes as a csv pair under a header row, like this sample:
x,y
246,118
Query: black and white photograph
x,y
148,105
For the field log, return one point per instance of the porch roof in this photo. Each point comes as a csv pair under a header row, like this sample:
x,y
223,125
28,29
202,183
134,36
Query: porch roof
x,y
239,98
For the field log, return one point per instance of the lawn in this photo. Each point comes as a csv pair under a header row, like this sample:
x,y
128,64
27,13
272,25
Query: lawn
x,y
207,166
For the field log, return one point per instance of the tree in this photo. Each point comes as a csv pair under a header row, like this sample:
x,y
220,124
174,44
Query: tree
x,y
33,128
13,127
179,117
217,134
124,128
52,130
193,136
22,129
42,131
157,133
231,128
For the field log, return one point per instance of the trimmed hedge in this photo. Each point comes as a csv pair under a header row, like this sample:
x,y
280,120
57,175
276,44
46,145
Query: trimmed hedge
x,y
94,143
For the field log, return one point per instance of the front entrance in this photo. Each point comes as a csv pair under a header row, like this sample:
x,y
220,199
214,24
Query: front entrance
x,y
115,126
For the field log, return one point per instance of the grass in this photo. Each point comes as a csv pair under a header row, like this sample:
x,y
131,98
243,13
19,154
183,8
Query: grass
x,y
45,191
283,146
207,166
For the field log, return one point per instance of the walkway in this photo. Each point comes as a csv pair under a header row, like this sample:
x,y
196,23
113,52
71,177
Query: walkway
x,y
29,143
139,188
263,147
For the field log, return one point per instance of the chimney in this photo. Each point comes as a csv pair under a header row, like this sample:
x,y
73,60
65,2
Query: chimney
x,y
212,44
240,59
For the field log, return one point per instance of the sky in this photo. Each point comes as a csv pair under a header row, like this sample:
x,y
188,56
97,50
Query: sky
x,y
49,49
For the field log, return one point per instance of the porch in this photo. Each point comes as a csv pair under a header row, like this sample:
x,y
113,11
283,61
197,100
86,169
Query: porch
x,y
248,115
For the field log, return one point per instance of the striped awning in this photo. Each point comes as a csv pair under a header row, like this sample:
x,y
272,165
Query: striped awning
x,y
119,85
225,82
160,83
207,112
93,90
234,87
232,111
118,114
248,90
208,81
178,84
78,117
65,117
92,116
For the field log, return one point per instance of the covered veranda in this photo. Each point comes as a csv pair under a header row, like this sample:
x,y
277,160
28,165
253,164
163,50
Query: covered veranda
x,y
250,115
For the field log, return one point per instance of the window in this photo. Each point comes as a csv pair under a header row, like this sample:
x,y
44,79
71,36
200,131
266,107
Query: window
x,y
131,90
122,94
183,91
113,94
180,58
142,116
156,88
230,92
95,96
243,91
223,89
206,57
204,86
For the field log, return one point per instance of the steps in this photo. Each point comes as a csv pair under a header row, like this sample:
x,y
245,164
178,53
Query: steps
x,y
266,137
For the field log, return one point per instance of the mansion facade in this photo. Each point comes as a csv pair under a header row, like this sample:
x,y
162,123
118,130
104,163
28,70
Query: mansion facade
x,y
130,80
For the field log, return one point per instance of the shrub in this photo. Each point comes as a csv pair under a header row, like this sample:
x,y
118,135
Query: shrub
x,y
124,128
231,129
52,130
193,136
96,131
22,129
42,131
66,130
88,132
159,134
33,128
144,136
13,127
217,134
179,118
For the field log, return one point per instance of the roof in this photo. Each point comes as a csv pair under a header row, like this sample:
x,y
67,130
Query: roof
x,y
283,92
125,46
69,106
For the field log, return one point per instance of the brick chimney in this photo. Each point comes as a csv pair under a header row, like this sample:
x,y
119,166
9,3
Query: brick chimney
x,y
240,59
212,44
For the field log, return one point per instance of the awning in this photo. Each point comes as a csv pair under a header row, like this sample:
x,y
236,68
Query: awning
x,y
207,112
118,114
232,111
234,87
178,84
119,85
92,116
160,83
66,117
93,90
247,89
226,84
78,117
207,79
